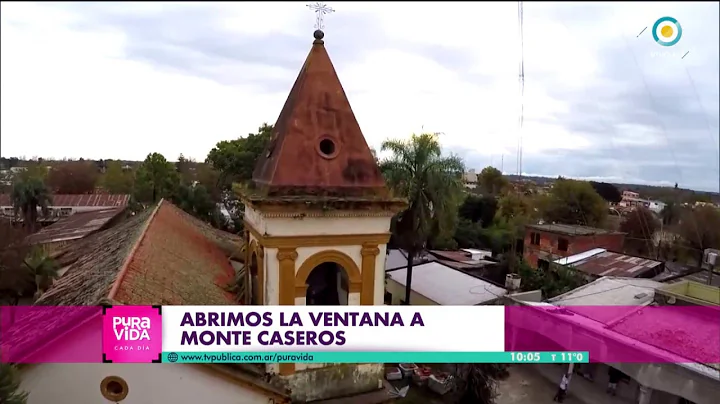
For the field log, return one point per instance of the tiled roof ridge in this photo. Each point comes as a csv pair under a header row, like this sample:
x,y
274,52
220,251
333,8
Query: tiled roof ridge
x,y
208,231
128,259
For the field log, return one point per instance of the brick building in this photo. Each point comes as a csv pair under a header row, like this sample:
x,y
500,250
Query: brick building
x,y
553,241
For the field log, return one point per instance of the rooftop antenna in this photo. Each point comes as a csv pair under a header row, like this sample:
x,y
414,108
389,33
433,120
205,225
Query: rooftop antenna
x,y
320,9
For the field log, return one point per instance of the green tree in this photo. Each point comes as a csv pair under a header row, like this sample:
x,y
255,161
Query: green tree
x,y
514,205
477,383
75,178
187,169
210,179
14,279
196,200
10,385
552,282
575,202
42,268
491,181
700,228
27,196
431,182
640,226
235,160
155,179
117,180
477,208
670,214
33,170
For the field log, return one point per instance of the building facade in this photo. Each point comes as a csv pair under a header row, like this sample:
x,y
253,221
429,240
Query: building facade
x,y
549,242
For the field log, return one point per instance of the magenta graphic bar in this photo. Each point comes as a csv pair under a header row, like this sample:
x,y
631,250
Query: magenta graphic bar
x,y
622,334
51,334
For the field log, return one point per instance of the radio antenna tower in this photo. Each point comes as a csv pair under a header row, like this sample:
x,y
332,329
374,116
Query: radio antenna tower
x,y
521,78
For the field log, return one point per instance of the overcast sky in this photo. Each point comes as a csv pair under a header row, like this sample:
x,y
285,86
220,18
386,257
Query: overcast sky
x,y
121,80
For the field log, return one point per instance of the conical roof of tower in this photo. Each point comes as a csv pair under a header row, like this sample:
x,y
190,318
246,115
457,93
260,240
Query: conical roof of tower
x,y
317,148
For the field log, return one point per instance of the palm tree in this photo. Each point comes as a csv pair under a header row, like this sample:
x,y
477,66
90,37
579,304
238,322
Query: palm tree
x,y
418,171
43,269
27,197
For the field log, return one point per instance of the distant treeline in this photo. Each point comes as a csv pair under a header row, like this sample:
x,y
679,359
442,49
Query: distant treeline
x,y
665,194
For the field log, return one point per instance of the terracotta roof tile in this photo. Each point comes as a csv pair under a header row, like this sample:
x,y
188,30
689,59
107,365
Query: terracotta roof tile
x,y
175,262
316,114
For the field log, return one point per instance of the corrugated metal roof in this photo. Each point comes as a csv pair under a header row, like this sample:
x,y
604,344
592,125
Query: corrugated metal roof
x,y
74,227
462,256
59,200
398,259
447,286
608,263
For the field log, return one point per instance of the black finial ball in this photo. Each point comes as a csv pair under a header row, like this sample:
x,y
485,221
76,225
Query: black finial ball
x,y
318,34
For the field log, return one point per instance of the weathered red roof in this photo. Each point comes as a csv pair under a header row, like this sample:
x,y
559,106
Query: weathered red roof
x,y
317,147
75,226
159,256
176,264
79,200
609,263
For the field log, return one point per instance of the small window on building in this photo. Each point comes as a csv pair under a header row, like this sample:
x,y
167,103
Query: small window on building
x,y
562,244
535,238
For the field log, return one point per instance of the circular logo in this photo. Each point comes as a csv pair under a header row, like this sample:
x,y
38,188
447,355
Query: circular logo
x,y
666,31
172,357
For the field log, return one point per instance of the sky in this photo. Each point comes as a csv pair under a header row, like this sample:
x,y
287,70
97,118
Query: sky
x,y
602,100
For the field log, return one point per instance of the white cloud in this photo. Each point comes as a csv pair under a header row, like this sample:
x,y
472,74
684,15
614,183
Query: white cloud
x,y
69,90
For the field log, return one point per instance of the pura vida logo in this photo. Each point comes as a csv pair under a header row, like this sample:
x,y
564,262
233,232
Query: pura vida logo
x,y
132,334
131,328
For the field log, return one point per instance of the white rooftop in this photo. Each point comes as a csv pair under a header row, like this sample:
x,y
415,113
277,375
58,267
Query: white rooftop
x,y
447,286
579,257
610,291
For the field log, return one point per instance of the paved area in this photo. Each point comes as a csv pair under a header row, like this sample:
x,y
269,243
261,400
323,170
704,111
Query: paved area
x,y
527,385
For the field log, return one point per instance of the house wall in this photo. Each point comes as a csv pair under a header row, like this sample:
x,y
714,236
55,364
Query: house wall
x,y
147,384
398,294
576,244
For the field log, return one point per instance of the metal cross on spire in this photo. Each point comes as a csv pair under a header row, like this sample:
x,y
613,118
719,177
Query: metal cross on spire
x,y
320,10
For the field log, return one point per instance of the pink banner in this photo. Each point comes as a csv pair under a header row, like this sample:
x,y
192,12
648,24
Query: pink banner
x,y
51,334
622,334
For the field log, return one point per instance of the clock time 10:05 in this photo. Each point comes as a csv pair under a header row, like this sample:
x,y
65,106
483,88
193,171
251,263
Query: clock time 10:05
x,y
548,357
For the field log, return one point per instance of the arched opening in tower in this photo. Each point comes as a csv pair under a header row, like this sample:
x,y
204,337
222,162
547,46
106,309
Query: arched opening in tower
x,y
327,285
